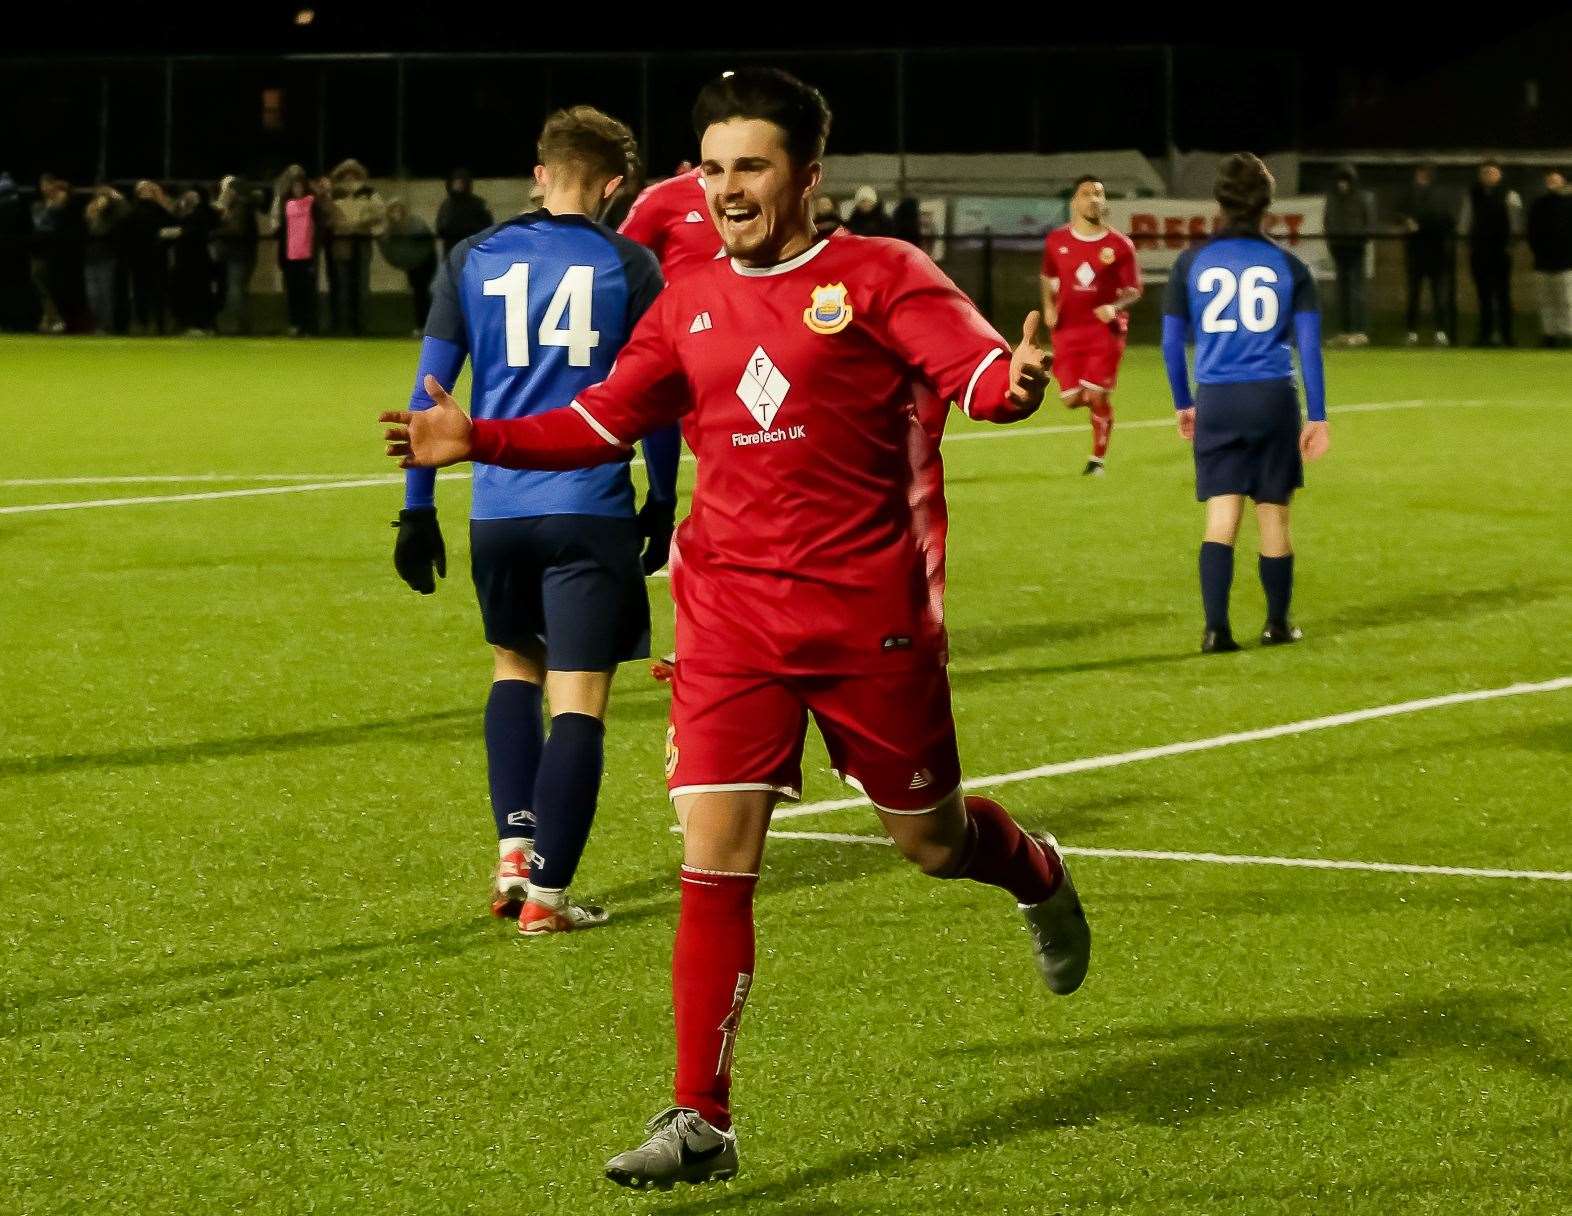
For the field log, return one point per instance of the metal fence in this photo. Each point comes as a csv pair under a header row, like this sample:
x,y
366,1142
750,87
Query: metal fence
x,y
420,115
1001,274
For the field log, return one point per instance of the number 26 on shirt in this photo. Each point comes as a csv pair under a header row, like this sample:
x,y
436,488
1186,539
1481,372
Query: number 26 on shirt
x,y
1258,305
572,298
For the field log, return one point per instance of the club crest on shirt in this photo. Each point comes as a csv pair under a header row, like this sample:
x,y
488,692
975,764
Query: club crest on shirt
x,y
1106,257
830,311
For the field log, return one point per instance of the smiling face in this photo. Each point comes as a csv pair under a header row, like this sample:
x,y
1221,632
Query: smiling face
x,y
758,199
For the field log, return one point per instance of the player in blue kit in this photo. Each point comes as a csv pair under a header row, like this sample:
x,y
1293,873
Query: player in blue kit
x,y
541,304
1244,298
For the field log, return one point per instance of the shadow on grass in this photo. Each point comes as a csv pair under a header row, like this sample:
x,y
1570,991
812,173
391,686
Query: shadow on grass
x,y
1432,606
982,640
435,727
1174,1075
179,988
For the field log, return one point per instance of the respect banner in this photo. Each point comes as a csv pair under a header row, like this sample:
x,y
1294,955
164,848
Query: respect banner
x,y
1162,229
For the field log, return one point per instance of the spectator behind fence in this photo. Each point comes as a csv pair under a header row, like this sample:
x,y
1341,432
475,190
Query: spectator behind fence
x,y
361,216
1492,216
1350,219
906,221
235,243
191,278
409,246
826,217
301,230
867,217
463,213
147,258
1550,241
62,242
1426,216
104,218
18,301
43,230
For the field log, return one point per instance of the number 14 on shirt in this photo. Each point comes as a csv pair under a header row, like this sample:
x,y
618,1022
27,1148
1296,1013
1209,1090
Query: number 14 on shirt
x,y
572,298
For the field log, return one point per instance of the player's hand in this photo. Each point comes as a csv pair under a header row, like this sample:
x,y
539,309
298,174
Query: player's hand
x,y
1314,440
1186,419
1029,364
1105,313
419,549
657,521
432,438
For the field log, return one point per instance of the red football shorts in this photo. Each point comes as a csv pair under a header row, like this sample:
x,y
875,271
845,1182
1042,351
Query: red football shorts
x,y
1086,357
891,734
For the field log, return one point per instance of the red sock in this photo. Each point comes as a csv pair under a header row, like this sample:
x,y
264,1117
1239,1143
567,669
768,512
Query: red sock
x,y
1004,856
1102,426
711,972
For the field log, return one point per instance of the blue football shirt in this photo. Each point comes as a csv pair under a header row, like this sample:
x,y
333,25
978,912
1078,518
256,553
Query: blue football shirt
x,y
541,304
1240,294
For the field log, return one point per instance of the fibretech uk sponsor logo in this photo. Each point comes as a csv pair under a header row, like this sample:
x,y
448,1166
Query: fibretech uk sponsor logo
x,y
779,434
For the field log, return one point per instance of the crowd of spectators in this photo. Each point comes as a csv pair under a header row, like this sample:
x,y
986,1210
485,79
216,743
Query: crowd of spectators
x,y
152,261
98,261
1488,219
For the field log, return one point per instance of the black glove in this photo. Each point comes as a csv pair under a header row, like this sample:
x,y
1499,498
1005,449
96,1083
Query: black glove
x,y
657,521
418,548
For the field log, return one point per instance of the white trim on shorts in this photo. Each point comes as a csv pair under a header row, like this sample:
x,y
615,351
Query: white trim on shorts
x,y
734,787
921,810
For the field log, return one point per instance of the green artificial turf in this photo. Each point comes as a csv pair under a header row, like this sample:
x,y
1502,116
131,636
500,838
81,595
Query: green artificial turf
x,y
244,839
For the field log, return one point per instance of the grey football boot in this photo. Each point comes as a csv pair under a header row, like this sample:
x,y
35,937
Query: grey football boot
x,y
682,1147
1061,938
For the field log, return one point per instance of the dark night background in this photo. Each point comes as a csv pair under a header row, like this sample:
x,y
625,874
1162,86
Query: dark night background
x,y
1317,77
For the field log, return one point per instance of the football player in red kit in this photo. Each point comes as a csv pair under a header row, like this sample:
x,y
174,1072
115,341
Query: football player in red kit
x,y
672,220
1090,278
810,377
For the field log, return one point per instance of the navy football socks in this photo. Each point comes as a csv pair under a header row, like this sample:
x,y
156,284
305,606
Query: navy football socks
x,y
1217,580
566,791
513,746
1277,580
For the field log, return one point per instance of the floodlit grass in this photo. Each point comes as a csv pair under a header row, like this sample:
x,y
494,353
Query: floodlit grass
x,y
245,837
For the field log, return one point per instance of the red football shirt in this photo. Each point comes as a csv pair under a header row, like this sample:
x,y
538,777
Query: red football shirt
x,y
818,391
672,220
1090,271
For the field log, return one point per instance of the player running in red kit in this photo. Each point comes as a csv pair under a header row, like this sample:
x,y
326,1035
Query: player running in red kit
x,y
807,374
1090,278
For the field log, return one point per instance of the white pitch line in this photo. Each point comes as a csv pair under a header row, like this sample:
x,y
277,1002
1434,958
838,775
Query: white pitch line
x,y
1089,763
1008,432
206,496
1240,859
173,478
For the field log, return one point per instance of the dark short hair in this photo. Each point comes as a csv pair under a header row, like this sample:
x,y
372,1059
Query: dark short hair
x,y
1490,162
1243,188
772,95
590,141
1082,180
1429,166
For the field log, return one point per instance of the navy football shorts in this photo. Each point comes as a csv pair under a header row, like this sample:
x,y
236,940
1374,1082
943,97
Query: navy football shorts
x,y
571,581
1247,441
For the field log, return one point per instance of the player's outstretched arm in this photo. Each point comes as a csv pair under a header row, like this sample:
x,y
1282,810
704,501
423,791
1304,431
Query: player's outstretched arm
x,y
1029,364
431,438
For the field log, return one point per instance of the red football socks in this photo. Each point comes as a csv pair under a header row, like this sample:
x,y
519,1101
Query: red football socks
x,y
1102,426
1002,855
711,972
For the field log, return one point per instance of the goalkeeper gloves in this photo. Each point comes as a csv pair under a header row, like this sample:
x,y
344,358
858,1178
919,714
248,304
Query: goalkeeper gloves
x,y
419,548
657,521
